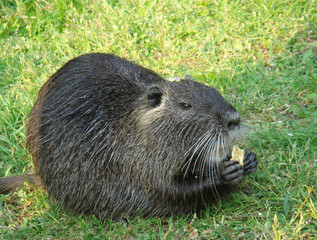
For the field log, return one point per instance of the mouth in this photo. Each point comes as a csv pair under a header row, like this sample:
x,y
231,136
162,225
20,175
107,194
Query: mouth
x,y
203,159
200,169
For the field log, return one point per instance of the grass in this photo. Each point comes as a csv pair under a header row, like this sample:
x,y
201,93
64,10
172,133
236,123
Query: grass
x,y
261,55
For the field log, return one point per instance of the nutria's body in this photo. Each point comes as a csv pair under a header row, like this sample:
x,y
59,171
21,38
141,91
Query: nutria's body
x,y
111,138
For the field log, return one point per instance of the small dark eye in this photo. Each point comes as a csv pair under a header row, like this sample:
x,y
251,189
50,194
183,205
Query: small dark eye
x,y
186,105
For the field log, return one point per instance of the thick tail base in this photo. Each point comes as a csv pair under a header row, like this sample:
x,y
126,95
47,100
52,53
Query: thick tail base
x,y
9,184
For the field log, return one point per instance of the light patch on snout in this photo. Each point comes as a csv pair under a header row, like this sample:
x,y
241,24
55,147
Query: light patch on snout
x,y
235,135
233,115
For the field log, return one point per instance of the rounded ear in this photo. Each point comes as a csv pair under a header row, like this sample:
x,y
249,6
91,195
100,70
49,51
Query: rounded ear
x,y
154,96
189,78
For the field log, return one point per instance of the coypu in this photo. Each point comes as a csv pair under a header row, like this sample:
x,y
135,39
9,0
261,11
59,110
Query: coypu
x,y
113,139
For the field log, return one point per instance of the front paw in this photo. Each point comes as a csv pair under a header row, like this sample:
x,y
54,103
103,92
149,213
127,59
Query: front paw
x,y
250,162
231,172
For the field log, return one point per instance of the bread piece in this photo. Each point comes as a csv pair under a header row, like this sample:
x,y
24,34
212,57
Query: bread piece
x,y
237,154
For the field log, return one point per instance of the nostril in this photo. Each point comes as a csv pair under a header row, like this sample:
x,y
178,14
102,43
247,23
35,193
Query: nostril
x,y
233,123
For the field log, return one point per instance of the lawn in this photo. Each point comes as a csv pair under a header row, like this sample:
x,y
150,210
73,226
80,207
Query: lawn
x,y
261,56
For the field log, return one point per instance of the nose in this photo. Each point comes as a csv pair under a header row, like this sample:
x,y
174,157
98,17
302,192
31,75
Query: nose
x,y
233,120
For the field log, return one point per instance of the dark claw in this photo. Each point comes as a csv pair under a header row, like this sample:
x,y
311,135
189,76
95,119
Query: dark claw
x,y
250,162
231,172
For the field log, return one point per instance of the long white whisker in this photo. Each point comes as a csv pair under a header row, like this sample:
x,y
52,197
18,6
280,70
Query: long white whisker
x,y
204,158
197,148
214,172
201,153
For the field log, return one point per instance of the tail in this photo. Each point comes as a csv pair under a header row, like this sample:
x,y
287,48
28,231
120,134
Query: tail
x,y
9,184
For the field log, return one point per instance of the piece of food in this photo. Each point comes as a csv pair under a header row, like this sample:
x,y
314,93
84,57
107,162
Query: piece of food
x,y
237,154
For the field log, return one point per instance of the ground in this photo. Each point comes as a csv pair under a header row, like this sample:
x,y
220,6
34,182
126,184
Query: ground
x,y
261,56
